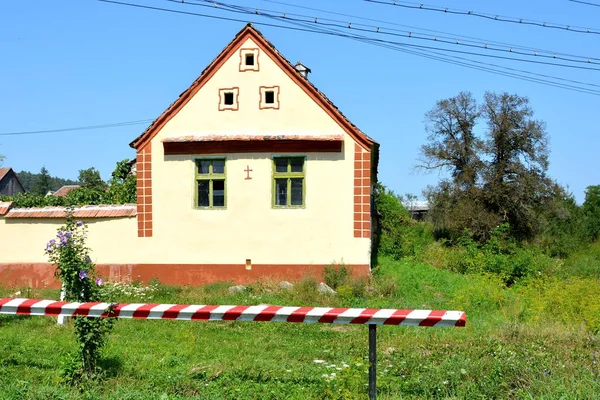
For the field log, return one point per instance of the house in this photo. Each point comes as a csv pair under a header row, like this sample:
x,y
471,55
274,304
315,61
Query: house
x,y
64,190
9,183
252,172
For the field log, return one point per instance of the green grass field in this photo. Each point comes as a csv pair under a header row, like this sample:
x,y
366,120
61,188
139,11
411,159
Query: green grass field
x,y
536,340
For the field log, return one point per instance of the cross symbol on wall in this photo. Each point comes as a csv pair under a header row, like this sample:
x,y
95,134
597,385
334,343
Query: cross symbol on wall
x,y
247,171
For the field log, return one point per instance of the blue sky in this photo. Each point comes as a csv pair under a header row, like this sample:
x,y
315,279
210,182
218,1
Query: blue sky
x,y
75,63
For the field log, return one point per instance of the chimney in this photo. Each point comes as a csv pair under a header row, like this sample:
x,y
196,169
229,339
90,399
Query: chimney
x,y
302,69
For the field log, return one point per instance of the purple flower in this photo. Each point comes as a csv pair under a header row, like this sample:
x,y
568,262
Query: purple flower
x,y
68,234
79,223
88,260
99,281
83,274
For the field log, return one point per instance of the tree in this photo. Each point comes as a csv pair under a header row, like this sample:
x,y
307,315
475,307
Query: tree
x,y
453,145
41,185
591,209
516,184
498,178
90,179
122,187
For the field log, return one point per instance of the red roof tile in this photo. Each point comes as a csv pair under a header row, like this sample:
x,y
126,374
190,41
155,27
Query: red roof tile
x,y
96,211
63,191
3,171
5,206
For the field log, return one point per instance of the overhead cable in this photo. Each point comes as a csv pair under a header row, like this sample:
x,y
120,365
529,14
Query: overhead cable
x,y
494,17
80,128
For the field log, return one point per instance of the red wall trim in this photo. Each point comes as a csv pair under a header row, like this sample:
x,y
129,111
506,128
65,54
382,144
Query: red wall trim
x,y
144,190
362,193
41,275
253,146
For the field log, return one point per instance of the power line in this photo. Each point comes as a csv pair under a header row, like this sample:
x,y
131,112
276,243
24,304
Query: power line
x,y
494,17
479,66
80,128
481,45
585,2
286,18
380,42
410,26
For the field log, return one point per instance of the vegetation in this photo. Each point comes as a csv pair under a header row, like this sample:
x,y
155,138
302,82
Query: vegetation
x,y
532,340
121,189
28,181
70,255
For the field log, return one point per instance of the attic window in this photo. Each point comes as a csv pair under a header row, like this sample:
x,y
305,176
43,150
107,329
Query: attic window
x,y
269,97
228,99
249,60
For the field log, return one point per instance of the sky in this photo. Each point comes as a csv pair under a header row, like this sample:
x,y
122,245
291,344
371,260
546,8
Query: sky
x,y
80,63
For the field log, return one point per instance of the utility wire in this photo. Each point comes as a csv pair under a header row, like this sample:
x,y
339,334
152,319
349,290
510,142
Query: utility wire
x,y
81,128
513,49
371,40
478,66
585,2
350,28
494,17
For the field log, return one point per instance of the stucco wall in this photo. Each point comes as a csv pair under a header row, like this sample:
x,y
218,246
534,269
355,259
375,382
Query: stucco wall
x,y
249,228
184,244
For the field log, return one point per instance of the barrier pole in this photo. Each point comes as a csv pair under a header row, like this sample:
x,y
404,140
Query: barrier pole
x,y
372,361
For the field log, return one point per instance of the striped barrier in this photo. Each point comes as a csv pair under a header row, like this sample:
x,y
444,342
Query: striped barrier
x,y
262,313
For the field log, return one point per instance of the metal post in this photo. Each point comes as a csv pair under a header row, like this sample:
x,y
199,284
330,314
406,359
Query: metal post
x,y
372,361
61,318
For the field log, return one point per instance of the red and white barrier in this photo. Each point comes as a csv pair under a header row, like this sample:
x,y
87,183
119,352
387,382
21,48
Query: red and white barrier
x,y
262,313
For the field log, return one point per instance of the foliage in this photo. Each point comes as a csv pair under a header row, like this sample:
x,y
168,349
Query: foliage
x,y
122,190
28,179
500,177
90,179
76,271
513,346
41,185
591,209
400,235
122,185
336,275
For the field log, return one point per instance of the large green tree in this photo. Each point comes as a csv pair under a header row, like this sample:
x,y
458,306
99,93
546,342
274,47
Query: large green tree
x,y
591,208
496,177
90,179
41,185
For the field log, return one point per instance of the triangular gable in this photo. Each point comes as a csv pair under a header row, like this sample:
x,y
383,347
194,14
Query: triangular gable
x,y
250,32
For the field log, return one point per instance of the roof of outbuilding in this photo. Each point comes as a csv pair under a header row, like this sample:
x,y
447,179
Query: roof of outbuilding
x,y
250,31
5,206
64,190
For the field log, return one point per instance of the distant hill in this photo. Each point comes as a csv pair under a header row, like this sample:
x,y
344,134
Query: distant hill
x,y
28,179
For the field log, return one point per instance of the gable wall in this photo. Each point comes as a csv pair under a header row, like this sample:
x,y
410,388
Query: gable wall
x,y
249,228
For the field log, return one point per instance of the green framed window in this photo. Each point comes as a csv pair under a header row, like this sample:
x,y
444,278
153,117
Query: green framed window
x,y
210,183
288,181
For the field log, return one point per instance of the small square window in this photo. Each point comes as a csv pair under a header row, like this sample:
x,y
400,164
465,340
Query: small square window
x,y
228,98
249,59
270,97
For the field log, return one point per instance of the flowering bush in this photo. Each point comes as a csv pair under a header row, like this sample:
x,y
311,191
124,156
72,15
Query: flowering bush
x,y
76,271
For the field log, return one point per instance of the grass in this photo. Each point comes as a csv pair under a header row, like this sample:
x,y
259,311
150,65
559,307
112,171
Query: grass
x,y
513,345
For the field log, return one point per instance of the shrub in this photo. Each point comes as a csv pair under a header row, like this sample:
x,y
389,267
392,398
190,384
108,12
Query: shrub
x,y
75,269
336,275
